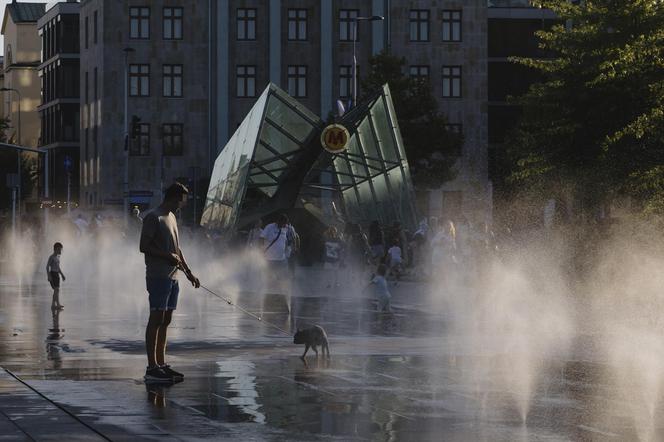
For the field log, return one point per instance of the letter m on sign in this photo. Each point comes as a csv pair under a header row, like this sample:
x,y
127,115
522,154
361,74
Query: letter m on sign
x,y
336,138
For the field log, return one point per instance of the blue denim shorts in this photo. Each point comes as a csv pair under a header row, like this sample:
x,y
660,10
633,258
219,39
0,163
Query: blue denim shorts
x,y
163,293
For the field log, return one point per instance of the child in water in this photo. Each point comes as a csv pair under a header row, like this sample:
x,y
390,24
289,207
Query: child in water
x,y
380,289
53,273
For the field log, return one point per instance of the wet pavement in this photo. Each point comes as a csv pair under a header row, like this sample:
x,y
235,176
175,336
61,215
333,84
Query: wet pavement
x,y
404,376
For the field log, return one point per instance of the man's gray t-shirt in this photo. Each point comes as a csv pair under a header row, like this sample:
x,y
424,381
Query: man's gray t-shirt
x,y
161,228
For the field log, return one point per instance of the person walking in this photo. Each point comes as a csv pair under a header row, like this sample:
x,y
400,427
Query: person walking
x,y
334,249
53,273
292,248
160,244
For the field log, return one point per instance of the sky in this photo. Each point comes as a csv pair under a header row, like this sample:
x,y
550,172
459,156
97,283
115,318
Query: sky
x,y
2,14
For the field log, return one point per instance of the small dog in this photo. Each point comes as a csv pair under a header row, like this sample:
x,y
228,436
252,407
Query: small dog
x,y
312,337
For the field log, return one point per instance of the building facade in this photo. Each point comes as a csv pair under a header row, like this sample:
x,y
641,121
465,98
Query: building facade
x,y
306,47
60,103
21,63
163,45
196,69
512,25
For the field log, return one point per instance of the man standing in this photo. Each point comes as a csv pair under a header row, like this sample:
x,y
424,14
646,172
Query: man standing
x,y
163,258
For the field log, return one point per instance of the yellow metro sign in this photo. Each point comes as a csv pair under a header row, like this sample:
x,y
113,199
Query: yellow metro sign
x,y
335,138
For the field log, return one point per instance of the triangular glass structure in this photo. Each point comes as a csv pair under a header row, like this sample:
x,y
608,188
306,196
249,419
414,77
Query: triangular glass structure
x,y
275,162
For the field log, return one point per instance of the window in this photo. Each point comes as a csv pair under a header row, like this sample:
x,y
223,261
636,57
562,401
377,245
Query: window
x,y
172,24
246,24
346,25
451,25
419,25
87,88
172,76
451,81
297,24
419,73
140,146
94,83
246,81
172,134
297,81
139,23
139,80
94,28
345,81
86,32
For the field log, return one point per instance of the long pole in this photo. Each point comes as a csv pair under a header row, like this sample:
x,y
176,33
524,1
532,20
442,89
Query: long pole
x,y
68,193
126,142
354,64
14,213
18,158
46,191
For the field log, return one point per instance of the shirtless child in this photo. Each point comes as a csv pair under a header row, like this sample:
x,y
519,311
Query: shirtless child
x,y
53,273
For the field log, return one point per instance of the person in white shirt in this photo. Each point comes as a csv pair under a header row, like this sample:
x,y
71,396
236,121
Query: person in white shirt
x,y
275,242
395,260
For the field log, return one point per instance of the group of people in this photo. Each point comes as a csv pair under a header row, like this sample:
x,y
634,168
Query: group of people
x,y
278,242
387,251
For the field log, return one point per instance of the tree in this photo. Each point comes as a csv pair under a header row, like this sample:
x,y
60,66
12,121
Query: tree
x,y
594,125
430,147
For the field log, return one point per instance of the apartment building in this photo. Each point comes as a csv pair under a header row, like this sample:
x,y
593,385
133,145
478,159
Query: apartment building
x,y
512,25
306,47
164,48
59,111
21,94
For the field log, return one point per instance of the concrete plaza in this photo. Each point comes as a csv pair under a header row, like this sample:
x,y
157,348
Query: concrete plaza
x,y
391,377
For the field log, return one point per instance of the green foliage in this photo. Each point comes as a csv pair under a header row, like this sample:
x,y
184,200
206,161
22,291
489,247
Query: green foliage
x,y
597,119
430,147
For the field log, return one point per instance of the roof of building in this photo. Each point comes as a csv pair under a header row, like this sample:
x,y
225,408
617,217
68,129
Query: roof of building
x,y
26,12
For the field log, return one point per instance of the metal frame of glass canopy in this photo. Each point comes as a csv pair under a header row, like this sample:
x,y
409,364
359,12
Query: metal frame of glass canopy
x,y
274,162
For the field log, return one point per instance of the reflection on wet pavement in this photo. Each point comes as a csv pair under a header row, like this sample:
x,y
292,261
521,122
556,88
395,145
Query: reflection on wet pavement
x,y
391,377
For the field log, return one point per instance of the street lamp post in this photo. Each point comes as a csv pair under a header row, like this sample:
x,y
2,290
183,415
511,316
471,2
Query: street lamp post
x,y
355,23
18,152
125,186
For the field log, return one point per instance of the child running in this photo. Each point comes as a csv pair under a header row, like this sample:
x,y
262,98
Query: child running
x,y
53,273
395,261
380,289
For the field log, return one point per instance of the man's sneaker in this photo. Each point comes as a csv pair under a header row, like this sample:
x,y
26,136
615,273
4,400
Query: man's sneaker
x,y
156,374
172,373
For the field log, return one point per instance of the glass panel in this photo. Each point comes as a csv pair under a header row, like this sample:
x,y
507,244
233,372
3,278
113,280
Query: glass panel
x,y
284,116
446,32
384,132
251,86
227,184
277,140
367,202
177,90
275,166
341,166
369,146
356,160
